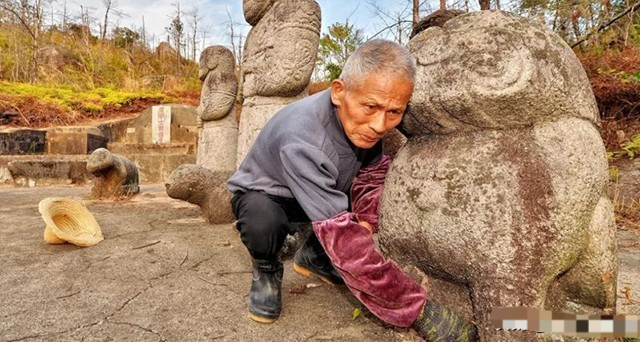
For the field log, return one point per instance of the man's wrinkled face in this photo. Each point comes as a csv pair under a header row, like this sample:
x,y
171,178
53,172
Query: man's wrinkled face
x,y
372,108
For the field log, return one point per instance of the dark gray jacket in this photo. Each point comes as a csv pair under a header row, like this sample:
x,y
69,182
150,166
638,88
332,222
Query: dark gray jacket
x,y
303,153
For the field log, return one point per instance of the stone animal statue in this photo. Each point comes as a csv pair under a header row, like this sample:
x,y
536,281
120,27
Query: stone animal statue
x,y
278,59
116,176
203,187
218,137
498,197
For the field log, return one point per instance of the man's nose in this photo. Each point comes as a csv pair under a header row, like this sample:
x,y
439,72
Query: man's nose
x,y
377,122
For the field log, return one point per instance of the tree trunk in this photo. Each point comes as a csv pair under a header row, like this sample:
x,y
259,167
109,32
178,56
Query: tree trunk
x,y
484,5
37,23
416,13
107,4
443,4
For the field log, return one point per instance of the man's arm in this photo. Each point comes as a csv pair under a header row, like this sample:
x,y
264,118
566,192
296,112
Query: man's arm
x,y
379,284
366,190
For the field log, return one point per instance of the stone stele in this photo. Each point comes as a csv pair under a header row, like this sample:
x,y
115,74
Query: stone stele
x,y
116,176
218,138
498,197
278,60
203,187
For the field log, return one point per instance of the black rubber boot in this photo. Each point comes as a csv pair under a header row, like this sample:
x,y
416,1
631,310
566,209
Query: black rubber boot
x,y
265,299
312,259
439,324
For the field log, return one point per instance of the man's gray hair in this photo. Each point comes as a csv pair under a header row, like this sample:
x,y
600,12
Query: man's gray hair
x,y
378,56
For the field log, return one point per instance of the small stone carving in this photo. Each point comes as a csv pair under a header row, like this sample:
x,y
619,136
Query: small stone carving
x,y
498,196
116,176
217,72
218,138
278,59
203,187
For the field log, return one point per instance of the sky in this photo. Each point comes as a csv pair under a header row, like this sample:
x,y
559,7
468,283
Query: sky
x,y
215,19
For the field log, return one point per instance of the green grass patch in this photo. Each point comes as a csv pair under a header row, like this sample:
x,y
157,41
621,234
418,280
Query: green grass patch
x,y
94,100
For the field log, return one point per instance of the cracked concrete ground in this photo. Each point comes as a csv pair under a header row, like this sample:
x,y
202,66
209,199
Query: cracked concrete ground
x,y
161,274
164,274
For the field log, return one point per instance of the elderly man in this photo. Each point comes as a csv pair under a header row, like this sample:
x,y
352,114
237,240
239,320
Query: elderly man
x,y
320,159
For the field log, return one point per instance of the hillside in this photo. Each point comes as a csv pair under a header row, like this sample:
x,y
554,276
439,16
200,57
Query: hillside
x,y
74,77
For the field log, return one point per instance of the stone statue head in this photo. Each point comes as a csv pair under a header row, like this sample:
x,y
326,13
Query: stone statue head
x,y
500,72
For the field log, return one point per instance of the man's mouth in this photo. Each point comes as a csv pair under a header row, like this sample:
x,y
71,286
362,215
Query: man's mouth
x,y
369,139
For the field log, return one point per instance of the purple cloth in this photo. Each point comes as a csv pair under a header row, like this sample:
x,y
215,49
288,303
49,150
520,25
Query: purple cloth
x,y
366,190
379,284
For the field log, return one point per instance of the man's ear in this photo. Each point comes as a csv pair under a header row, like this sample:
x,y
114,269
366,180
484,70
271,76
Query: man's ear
x,y
337,92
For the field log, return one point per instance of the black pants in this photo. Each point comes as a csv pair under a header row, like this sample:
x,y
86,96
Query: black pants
x,y
265,220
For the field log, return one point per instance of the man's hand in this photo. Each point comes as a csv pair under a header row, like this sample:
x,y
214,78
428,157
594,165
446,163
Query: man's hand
x,y
366,225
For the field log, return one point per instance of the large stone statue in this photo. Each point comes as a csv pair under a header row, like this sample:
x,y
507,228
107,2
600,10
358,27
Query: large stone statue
x,y
498,197
203,184
278,60
116,176
218,138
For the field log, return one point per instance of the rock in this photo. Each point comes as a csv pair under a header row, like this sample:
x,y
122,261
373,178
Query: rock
x,y
203,187
498,196
165,50
116,176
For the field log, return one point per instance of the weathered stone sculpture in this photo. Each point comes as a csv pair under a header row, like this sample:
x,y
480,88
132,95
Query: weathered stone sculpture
x,y
279,57
218,138
203,184
116,176
498,196
203,187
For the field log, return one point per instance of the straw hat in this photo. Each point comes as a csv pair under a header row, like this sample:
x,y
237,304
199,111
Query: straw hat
x,y
69,221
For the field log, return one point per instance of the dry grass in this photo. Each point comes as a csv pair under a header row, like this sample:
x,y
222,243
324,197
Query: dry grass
x,y
615,78
627,209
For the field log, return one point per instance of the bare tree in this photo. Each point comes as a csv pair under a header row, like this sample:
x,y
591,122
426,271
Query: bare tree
x,y
416,13
484,5
107,5
110,7
30,17
195,19
143,34
236,39
176,32
397,24
443,4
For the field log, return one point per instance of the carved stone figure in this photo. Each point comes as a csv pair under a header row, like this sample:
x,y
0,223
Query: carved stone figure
x,y
498,196
218,138
203,187
116,176
278,60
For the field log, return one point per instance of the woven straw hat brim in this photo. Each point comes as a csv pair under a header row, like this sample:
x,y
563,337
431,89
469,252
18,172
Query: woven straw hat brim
x,y
69,220
50,237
